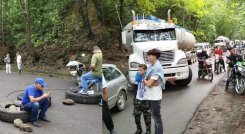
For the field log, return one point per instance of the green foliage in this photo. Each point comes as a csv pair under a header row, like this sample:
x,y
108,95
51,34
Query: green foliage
x,y
58,21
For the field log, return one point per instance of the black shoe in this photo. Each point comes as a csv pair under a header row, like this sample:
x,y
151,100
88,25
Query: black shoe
x,y
44,119
139,131
34,123
148,131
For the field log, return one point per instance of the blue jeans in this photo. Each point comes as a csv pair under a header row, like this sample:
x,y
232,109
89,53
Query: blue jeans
x,y
33,107
87,78
155,107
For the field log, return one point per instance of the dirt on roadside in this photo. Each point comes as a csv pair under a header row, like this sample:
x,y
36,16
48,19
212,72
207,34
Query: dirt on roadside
x,y
222,112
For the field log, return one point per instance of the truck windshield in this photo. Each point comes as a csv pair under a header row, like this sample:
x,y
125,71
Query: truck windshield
x,y
154,35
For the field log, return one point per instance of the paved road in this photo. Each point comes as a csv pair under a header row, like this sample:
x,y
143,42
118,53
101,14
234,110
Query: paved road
x,y
178,106
76,119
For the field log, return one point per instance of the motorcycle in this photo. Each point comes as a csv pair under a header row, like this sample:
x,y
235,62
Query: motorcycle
x,y
206,70
217,64
237,75
76,70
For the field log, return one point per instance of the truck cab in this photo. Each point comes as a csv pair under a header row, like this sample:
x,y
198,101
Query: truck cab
x,y
144,35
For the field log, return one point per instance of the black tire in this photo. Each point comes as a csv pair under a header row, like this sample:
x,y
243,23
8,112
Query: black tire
x,y
7,116
185,82
83,99
240,89
121,101
20,96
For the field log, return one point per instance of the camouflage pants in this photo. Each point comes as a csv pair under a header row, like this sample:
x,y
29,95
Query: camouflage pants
x,y
141,106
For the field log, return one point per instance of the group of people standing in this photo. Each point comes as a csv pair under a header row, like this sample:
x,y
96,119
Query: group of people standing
x,y
7,61
149,83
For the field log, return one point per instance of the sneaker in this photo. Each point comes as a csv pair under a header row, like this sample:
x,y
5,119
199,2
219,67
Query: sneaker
x,y
80,92
101,103
90,92
34,123
84,92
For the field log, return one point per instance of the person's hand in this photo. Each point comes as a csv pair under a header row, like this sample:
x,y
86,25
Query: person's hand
x,y
91,68
45,95
156,83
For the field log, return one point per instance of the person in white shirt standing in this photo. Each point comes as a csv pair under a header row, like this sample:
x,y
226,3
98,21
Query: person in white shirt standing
x,y
19,62
155,74
7,61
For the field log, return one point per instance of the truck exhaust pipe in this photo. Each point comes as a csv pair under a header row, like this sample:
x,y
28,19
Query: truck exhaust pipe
x,y
169,16
133,15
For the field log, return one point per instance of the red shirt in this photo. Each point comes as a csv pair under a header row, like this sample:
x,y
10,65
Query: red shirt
x,y
218,51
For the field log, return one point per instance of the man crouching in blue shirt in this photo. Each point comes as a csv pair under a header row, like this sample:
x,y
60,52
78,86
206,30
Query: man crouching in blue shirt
x,y
34,99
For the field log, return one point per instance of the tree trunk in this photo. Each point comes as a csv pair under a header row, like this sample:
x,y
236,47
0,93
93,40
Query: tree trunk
x,y
2,12
32,51
83,11
121,18
98,8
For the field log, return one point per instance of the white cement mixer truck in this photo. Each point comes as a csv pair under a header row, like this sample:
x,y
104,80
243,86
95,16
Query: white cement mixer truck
x,y
221,41
147,33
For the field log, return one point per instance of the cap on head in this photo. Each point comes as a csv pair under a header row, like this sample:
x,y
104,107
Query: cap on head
x,y
41,82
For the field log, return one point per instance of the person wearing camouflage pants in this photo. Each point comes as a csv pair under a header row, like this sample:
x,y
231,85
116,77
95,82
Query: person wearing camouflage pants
x,y
141,106
140,103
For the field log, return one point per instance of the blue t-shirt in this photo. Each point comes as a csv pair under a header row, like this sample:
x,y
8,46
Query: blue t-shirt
x,y
31,91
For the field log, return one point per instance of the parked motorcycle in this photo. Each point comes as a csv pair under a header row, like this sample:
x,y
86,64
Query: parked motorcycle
x,y
76,70
206,70
237,75
217,64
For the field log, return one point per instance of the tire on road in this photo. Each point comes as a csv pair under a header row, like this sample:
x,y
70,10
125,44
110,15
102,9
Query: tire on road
x,y
83,99
185,82
20,96
8,116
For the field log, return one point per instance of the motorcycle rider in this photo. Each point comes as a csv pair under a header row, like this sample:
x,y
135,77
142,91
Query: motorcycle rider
x,y
201,57
231,61
220,53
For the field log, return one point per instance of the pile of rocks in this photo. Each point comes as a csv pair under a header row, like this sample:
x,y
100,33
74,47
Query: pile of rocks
x,y
22,126
13,108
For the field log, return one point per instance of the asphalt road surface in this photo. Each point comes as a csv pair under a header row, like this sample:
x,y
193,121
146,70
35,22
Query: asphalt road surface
x,y
75,119
177,108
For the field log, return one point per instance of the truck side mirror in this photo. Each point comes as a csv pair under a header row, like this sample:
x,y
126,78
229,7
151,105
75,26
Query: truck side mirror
x,y
124,37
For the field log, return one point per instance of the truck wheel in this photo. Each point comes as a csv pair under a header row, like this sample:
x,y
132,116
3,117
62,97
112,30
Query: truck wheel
x,y
185,82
